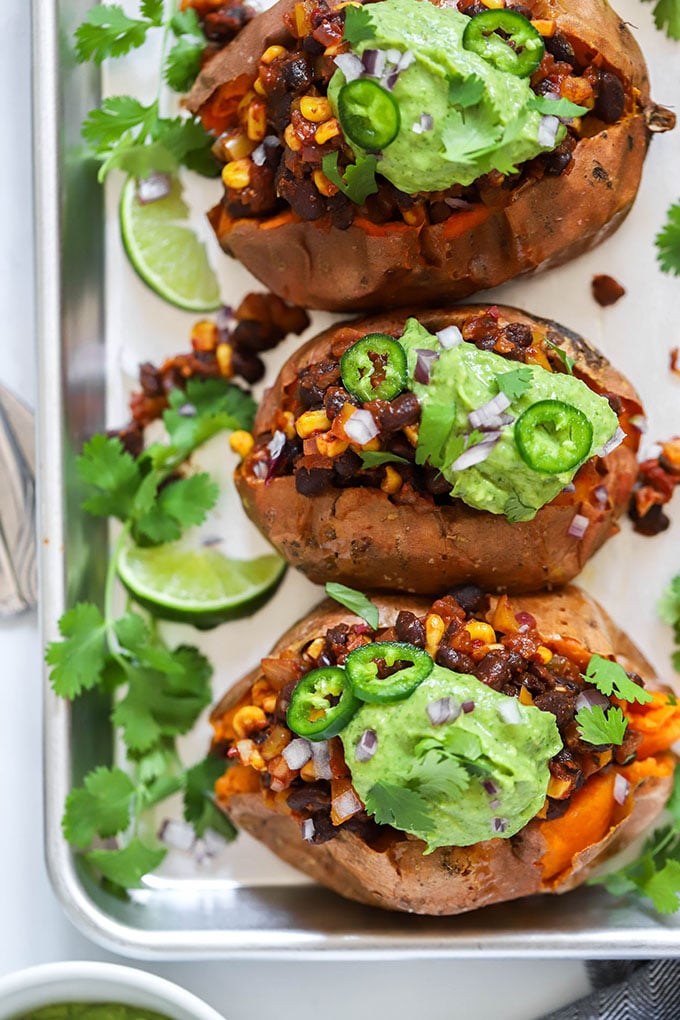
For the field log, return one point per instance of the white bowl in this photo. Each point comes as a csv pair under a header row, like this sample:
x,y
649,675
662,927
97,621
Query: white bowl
x,y
54,983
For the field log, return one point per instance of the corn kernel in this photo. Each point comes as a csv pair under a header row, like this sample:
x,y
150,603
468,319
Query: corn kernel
x,y
525,696
241,443
479,631
494,5
234,145
256,125
329,446
224,360
204,335
303,20
329,129
310,422
323,185
414,217
269,704
236,175
315,649
286,423
247,99
392,482
544,27
545,653
308,772
247,720
434,632
258,85
558,788
291,139
411,433
257,761
272,53
315,108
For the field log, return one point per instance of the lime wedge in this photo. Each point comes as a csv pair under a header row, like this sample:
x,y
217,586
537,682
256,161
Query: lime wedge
x,y
168,257
198,586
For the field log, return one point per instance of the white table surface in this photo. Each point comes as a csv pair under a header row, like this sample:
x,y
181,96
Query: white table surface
x,y
33,928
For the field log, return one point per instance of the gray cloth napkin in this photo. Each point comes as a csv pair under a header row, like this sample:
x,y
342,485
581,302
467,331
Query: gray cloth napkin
x,y
628,990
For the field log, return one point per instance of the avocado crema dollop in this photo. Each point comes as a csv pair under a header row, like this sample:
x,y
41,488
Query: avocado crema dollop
x,y
460,116
461,380
481,774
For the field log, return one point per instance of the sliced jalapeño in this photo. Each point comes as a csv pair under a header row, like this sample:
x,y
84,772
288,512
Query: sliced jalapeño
x,y
552,436
322,704
506,40
374,368
363,670
369,114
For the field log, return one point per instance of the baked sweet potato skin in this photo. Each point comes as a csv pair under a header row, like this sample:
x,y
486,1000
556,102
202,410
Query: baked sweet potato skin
x,y
394,874
546,222
363,538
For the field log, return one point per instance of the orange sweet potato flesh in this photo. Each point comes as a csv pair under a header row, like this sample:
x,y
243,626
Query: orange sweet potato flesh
x,y
546,222
366,539
545,857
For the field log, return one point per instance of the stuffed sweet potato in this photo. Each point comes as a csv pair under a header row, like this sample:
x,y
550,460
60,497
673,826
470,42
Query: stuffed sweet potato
x,y
459,155
431,487
477,762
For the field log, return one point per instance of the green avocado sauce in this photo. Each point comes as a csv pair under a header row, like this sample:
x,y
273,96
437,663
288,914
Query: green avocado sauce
x,y
91,1011
464,378
482,775
481,117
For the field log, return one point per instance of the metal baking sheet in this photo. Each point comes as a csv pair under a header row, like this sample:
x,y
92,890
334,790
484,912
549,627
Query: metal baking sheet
x,y
96,322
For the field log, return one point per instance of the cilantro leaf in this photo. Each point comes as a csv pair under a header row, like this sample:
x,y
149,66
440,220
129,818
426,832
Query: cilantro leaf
x,y
668,606
181,504
359,181
597,727
567,361
555,107
117,116
464,140
668,239
355,601
515,510
108,32
466,92
135,637
126,868
199,806
398,806
153,10
181,136
515,383
373,458
663,888
439,775
667,17
183,64
186,23
138,160
100,807
436,423
205,408
611,678
358,25
79,660
111,476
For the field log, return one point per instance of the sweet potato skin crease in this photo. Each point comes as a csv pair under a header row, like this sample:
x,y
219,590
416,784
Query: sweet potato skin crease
x,y
545,856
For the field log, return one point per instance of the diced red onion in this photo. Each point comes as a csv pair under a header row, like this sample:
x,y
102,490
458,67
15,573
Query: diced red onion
x,y
390,80
271,141
297,753
458,203
601,495
468,706
424,361
187,411
367,746
212,540
509,711
442,711
361,427
639,422
346,805
373,62
276,444
494,804
177,835
591,697
547,131
449,337
393,55
352,66
612,443
423,124
308,830
405,60
152,188
499,825
477,453
570,487
260,469
225,322
485,414
321,758
621,788
259,155
578,526
208,846
490,787
526,621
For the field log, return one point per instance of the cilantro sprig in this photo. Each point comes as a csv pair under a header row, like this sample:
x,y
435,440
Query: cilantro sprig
x,y
355,601
159,691
123,132
359,180
597,726
669,611
667,17
668,241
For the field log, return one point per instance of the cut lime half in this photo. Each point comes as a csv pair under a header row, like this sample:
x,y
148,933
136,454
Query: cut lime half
x,y
167,256
198,586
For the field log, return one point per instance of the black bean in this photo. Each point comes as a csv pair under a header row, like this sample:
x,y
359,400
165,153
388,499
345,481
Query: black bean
x,y
561,705
494,669
435,481
611,98
410,628
557,162
654,521
396,414
309,797
313,481
518,333
561,48
151,380
296,73
247,365
469,597
251,335
346,465
334,400
456,661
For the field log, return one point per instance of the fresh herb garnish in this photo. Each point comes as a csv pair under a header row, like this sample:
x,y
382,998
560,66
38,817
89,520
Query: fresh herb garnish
x,y
358,25
668,240
161,691
355,601
359,181
515,383
515,510
125,133
465,92
596,726
436,422
669,611
667,17
555,107
398,806
566,360
610,678
373,458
